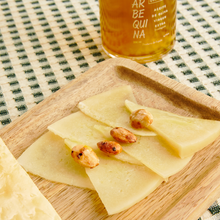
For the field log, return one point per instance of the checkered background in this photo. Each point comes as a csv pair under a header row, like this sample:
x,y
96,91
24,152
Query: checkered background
x,y
44,44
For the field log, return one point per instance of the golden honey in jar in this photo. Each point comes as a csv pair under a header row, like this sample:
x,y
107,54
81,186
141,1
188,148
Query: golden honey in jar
x,y
142,30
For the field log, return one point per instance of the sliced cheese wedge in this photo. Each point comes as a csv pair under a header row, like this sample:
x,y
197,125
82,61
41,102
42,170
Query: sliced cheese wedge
x,y
120,185
109,108
49,158
77,127
105,131
185,135
156,155
153,152
80,129
19,196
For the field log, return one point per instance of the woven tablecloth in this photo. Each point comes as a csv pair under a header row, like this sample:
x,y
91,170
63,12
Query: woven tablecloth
x,y
46,44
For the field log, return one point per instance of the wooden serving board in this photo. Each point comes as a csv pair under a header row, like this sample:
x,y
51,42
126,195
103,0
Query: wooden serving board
x,y
186,195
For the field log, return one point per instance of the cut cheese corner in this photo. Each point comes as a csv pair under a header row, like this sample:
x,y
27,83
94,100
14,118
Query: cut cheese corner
x,y
49,158
121,185
20,198
109,108
185,135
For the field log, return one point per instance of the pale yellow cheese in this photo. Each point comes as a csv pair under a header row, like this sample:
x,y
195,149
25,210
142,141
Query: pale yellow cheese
x,y
49,158
19,196
185,135
156,155
109,108
105,131
122,180
153,152
77,127
120,185
80,129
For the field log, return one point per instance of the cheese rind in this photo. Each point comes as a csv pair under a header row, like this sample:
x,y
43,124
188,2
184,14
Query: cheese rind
x,y
19,196
49,158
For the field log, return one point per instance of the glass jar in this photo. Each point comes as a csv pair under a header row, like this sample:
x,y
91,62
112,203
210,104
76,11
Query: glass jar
x,y
142,30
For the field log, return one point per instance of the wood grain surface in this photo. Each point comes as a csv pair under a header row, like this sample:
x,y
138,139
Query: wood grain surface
x,y
186,195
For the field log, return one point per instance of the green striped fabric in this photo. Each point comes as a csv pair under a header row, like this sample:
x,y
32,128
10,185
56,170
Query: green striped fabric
x,y
44,44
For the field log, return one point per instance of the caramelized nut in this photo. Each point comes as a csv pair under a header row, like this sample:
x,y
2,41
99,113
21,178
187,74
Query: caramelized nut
x,y
141,118
123,135
109,147
85,156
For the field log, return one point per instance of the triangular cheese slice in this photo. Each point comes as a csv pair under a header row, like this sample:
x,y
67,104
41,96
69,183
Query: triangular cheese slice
x,y
19,196
105,131
153,152
77,127
156,155
80,129
49,158
120,185
109,108
184,134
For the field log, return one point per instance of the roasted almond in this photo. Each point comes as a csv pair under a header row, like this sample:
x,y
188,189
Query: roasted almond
x,y
109,147
141,118
123,135
85,156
